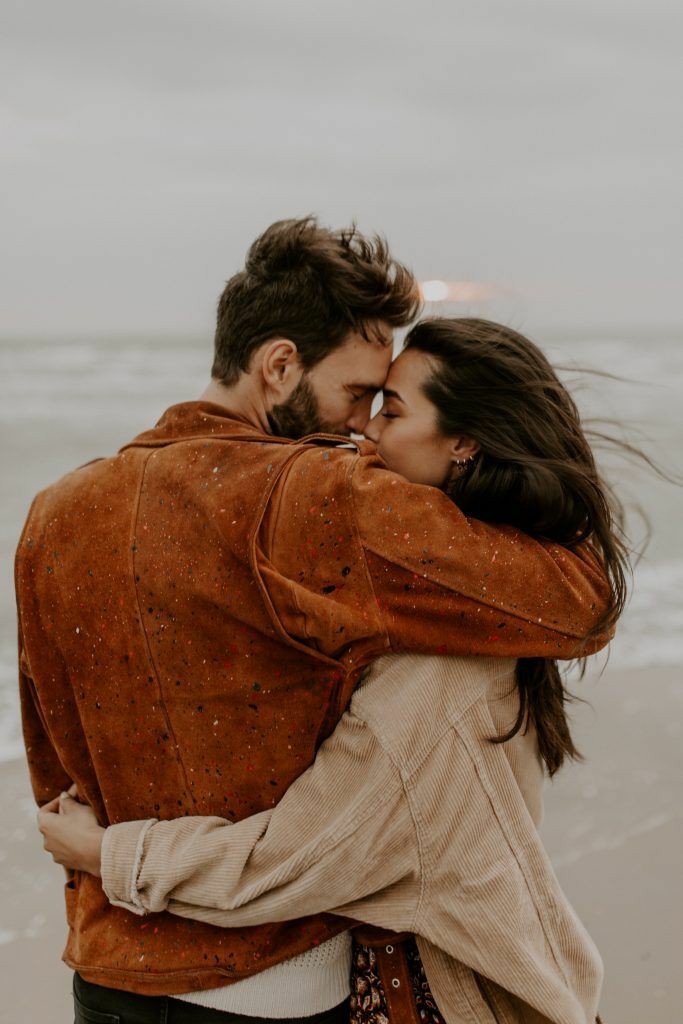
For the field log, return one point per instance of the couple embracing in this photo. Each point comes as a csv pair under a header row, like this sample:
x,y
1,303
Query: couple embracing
x,y
306,687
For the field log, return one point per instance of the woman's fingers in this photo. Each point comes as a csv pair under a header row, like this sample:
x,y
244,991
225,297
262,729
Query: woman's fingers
x,y
71,834
51,828
54,806
48,818
81,814
66,802
50,808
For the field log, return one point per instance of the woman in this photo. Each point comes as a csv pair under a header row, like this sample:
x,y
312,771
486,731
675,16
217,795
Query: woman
x,y
419,813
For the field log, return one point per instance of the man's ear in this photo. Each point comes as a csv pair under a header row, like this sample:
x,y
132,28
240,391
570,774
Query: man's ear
x,y
463,448
280,365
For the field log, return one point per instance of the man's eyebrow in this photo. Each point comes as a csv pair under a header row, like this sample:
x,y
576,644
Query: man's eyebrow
x,y
364,387
389,393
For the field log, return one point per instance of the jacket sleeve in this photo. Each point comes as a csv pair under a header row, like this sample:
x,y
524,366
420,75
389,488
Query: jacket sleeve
x,y
447,584
339,837
48,777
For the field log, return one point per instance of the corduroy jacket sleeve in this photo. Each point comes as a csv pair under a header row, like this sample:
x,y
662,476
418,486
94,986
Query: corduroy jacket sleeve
x,y
447,584
337,835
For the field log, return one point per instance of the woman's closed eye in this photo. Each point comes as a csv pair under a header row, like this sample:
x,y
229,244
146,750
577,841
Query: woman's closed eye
x,y
388,410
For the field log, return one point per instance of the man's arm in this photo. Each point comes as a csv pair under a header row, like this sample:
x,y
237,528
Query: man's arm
x,y
354,558
455,585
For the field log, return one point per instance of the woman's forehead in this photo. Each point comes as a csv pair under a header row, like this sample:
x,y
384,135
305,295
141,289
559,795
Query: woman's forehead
x,y
407,370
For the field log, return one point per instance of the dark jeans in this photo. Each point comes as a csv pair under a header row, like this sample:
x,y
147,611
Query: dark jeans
x,y
94,1004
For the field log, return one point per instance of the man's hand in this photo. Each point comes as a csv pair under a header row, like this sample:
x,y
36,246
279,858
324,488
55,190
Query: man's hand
x,y
71,834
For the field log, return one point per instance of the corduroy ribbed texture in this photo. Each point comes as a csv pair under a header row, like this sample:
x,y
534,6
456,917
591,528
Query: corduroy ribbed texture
x,y
409,819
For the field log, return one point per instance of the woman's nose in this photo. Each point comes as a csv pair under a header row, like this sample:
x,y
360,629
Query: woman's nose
x,y
358,420
374,429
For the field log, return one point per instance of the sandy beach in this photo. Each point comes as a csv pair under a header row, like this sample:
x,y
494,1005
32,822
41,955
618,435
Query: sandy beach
x,y
36,984
614,829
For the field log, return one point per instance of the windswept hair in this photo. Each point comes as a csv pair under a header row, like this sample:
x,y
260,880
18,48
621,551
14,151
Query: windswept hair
x,y
535,470
312,285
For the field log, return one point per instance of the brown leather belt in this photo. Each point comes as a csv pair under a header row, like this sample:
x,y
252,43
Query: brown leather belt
x,y
393,970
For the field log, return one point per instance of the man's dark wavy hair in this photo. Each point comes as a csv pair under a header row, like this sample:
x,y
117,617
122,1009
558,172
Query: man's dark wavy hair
x,y
314,286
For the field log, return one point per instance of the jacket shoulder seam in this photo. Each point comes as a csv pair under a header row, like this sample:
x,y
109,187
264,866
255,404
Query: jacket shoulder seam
x,y
152,660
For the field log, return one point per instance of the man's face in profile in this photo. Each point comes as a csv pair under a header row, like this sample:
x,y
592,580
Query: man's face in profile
x,y
335,396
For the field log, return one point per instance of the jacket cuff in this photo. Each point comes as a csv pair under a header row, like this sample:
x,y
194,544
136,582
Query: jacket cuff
x,y
122,849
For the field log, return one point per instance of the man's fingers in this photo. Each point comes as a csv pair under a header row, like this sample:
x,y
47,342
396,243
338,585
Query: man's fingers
x,y
73,791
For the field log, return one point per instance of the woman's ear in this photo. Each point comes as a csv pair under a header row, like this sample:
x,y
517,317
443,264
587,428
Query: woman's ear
x,y
463,449
280,366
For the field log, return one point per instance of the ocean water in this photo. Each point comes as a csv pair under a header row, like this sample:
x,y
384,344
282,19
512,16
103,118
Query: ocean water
x,y
64,402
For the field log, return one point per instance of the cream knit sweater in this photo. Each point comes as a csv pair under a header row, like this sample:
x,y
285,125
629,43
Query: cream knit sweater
x,y
409,819
313,982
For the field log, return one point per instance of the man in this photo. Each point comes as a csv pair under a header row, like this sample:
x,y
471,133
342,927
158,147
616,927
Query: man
x,y
196,611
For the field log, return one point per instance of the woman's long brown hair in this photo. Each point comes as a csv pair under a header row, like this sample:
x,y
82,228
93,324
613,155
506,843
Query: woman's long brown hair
x,y
535,470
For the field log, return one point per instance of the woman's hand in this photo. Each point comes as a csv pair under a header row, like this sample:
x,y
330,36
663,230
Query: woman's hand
x,y
71,834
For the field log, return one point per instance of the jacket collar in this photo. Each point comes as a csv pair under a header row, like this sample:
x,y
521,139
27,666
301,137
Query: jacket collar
x,y
191,421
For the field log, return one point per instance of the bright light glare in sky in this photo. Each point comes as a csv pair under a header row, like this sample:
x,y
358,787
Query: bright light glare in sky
x,y
456,291
434,291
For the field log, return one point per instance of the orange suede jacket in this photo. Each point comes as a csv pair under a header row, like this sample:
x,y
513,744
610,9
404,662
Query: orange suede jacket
x,y
194,614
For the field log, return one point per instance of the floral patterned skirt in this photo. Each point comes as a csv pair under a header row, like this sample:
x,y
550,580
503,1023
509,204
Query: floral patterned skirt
x,y
369,1003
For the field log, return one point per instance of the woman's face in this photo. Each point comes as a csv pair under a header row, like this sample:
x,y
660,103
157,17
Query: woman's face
x,y
405,429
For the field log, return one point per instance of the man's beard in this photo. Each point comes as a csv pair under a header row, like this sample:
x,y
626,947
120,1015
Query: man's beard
x,y
299,415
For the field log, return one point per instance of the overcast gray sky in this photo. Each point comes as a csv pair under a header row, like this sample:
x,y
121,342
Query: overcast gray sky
x,y
531,144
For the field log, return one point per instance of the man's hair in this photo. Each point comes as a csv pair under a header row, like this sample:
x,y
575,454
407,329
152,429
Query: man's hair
x,y
312,285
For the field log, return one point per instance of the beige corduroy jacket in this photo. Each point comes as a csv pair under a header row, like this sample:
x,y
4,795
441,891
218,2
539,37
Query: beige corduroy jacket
x,y
409,819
